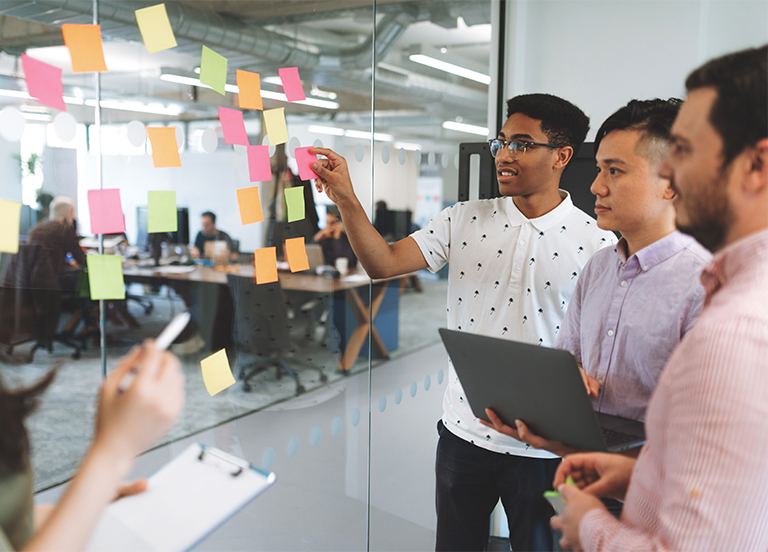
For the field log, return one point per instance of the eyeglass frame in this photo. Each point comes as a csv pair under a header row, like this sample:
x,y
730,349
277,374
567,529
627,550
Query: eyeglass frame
x,y
506,144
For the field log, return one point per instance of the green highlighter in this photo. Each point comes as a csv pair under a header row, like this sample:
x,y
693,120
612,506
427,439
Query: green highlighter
x,y
554,498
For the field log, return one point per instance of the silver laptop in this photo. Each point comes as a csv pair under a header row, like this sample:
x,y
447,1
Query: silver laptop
x,y
538,385
315,255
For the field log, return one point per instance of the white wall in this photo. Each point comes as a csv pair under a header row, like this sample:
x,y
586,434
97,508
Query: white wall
x,y
599,54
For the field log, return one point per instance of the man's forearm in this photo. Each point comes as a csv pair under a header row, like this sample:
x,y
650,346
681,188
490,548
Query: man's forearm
x,y
373,252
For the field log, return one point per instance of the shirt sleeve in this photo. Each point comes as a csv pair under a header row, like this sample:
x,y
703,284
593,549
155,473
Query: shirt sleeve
x,y
434,241
712,465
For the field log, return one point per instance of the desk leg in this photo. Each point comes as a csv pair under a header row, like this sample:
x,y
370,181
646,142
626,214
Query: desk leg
x,y
360,333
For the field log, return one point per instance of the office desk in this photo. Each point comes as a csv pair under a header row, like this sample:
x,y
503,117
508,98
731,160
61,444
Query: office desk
x,y
300,281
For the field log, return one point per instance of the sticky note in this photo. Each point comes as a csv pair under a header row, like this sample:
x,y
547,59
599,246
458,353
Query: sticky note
x,y
155,28
85,47
10,219
304,160
105,276
233,126
44,82
106,211
266,265
250,205
165,150
217,375
213,70
297,254
274,120
162,212
292,84
294,200
259,165
249,85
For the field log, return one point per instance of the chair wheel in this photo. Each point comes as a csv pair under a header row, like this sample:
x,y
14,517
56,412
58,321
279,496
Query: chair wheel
x,y
323,377
76,355
148,310
246,387
300,389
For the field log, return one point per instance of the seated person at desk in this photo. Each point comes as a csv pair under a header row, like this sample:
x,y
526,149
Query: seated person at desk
x,y
210,233
59,238
333,239
127,423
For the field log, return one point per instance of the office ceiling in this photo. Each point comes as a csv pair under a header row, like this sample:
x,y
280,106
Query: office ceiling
x,y
329,40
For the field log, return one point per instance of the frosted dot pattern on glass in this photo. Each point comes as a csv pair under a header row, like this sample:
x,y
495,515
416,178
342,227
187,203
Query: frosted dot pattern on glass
x,y
398,396
65,126
440,376
401,156
355,417
314,437
383,403
318,143
444,159
137,133
265,142
293,447
336,426
427,383
12,124
240,149
359,153
340,148
413,390
209,141
385,154
268,458
293,143
431,159
417,157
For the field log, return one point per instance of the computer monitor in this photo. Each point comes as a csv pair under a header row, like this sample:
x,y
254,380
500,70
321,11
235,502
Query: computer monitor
x,y
181,236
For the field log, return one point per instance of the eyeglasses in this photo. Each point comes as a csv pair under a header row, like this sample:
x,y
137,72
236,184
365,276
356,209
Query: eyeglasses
x,y
517,148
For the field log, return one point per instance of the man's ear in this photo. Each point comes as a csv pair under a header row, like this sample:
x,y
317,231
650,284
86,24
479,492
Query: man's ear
x,y
756,180
564,155
669,193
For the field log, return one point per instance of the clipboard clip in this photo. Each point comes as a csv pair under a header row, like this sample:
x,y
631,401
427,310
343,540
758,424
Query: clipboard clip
x,y
234,466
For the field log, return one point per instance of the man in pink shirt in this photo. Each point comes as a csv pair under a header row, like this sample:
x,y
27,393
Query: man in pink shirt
x,y
700,481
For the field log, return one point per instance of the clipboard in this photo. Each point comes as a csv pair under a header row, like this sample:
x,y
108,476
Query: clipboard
x,y
185,501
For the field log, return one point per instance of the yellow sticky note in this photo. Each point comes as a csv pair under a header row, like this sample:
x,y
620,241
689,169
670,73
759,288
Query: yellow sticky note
x,y
155,28
105,276
213,70
162,216
294,201
85,47
10,217
297,254
274,120
250,205
165,149
217,375
266,265
249,85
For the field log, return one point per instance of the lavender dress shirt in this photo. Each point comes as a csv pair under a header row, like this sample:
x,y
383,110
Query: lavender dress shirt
x,y
626,317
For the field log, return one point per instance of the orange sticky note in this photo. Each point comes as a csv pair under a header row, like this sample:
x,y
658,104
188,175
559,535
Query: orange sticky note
x,y
297,254
165,150
250,205
249,96
266,265
85,47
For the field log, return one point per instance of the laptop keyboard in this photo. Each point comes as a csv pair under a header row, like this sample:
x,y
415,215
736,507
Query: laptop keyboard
x,y
613,437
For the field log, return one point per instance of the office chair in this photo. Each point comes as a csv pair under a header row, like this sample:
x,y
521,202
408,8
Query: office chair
x,y
261,328
30,303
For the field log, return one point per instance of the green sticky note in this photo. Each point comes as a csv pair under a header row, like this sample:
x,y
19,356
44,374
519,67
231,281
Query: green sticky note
x,y
213,70
10,217
105,275
162,212
294,200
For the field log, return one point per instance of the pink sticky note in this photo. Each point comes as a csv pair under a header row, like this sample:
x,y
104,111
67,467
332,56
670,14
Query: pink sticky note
x,y
44,82
232,126
304,160
106,211
259,165
292,84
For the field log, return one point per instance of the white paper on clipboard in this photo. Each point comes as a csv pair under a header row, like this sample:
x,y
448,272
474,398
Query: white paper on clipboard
x,y
186,500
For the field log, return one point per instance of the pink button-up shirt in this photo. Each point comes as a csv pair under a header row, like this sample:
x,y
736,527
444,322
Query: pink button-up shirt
x,y
701,480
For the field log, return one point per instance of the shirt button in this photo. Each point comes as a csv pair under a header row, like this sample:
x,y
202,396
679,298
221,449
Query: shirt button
x,y
517,267
527,224
610,333
624,283
645,267
522,242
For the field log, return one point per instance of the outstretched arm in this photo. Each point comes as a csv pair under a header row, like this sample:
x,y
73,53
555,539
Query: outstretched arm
x,y
380,259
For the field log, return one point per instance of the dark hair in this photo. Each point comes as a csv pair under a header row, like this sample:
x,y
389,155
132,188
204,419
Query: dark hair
x,y
209,215
15,406
562,122
740,111
653,118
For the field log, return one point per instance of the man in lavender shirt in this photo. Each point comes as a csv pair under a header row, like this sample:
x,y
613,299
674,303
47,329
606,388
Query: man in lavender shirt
x,y
633,302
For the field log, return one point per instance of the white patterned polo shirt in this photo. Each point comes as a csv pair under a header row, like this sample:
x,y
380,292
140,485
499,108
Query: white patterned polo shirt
x,y
509,277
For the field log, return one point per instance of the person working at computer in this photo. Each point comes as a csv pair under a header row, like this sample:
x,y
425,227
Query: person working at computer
x,y
333,239
126,424
634,302
209,233
58,238
514,262
699,482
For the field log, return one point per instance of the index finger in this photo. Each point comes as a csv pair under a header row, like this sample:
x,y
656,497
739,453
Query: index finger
x,y
329,153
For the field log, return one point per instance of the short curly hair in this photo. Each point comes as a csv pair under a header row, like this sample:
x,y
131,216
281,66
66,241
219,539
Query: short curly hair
x,y
562,122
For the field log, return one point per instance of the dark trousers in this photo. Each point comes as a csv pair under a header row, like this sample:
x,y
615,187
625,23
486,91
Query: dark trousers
x,y
470,481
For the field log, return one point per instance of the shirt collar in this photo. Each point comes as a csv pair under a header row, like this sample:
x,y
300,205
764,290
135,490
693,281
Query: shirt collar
x,y
544,222
735,258
662,249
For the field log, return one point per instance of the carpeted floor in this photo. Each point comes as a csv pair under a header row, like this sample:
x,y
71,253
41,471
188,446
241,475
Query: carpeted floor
x,y
61,428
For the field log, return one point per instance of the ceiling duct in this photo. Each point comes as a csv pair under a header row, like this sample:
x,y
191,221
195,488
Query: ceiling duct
x,y
244,44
